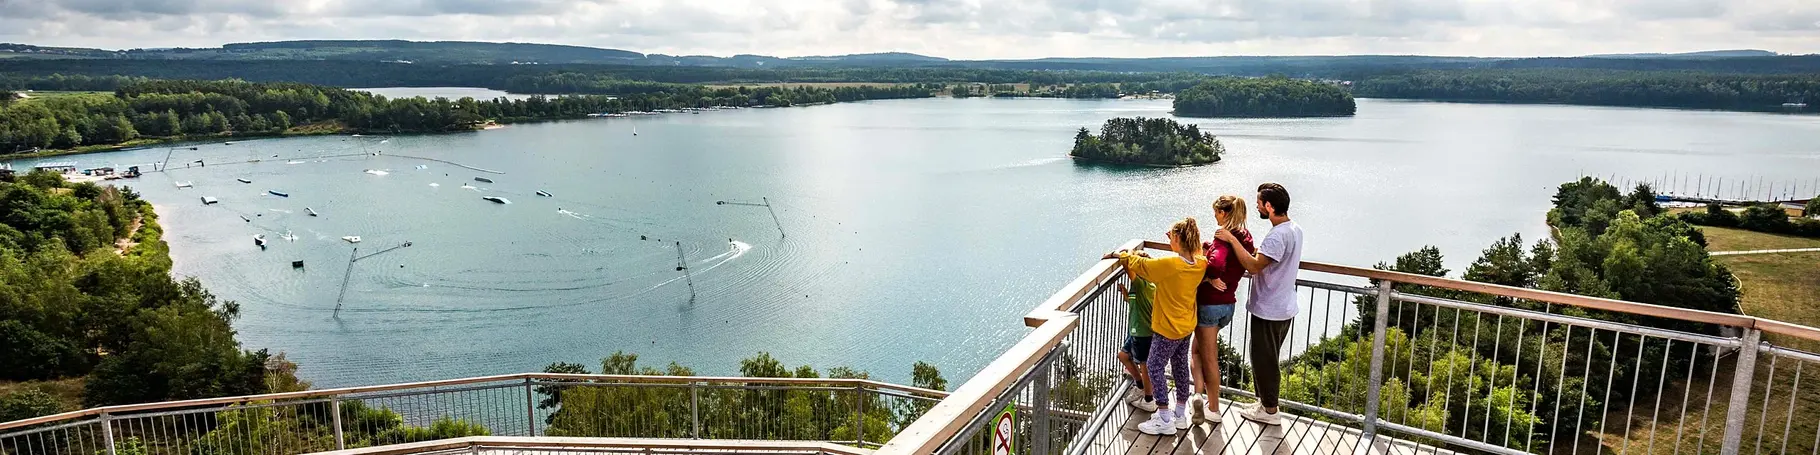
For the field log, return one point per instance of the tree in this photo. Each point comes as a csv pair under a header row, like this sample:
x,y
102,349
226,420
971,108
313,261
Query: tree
x,y
1264,97
1153,141
1768,217
1812,209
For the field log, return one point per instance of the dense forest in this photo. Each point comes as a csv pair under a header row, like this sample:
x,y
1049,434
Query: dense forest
x,y
729,413
1341,66
1607,244
77,305
187,109
1147,141
1600,87
1762,217
1264,97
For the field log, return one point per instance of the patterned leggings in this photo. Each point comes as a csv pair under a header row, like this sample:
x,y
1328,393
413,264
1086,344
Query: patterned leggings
x,y
1175,354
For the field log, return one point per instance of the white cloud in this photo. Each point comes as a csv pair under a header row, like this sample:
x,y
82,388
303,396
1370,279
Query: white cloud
x,y
950,28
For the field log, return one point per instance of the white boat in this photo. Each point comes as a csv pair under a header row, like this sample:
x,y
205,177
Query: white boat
x,y
634,131
206,200
544,193
186,184
497,199
259,239
244,180
1794,104
352,239
311,211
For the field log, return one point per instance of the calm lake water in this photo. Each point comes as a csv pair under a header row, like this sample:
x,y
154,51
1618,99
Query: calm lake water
x,y
911,230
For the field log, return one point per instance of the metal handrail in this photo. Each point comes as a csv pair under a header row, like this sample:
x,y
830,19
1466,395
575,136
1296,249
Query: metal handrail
x,y
518,377
605,444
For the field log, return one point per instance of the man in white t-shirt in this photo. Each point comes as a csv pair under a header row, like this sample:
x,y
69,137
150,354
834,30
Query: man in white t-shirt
x,y
1272,302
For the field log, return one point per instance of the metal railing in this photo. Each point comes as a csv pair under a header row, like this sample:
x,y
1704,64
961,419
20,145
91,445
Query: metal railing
x,y
1376,361
1417,362
860,413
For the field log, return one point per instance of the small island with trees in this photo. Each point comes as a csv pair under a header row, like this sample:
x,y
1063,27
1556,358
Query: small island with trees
x,y
1147,141
1264,97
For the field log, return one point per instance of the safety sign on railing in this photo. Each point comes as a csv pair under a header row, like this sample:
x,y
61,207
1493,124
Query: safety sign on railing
x,y
1004,431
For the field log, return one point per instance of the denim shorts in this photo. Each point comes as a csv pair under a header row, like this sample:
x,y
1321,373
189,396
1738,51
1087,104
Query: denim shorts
x,y
1214,315
1138,347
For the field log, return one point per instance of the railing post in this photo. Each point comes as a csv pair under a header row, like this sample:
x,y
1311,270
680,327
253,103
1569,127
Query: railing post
x,y
335,418
1039,429
859,419
530,410
694,411
1380,324
1742,374
107,432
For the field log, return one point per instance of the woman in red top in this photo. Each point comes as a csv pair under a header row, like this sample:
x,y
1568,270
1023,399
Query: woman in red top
x,y
1215,299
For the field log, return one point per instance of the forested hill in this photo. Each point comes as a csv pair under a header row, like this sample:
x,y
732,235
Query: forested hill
x,y
1315,66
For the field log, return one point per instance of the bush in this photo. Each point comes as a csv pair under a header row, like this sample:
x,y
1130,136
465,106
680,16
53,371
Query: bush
x,y
26,403
1765,218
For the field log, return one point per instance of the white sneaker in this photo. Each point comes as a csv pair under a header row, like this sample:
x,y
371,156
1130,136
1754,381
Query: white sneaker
x,y
1157,426
1142,404
1211,415
1257,414
1185,420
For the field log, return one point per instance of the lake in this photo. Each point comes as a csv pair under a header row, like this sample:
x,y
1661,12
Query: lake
x,y
910,230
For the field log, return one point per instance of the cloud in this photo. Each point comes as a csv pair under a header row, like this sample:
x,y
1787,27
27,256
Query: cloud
x,y
949,28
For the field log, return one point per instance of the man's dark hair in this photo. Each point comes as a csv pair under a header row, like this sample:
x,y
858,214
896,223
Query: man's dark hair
x,y
1276,196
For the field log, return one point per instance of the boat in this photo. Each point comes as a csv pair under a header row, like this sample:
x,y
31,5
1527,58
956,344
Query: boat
x,y
483,180
634,131
497,199
186,184
311,211
278,193
244,218
206,200
259,239
352,239
244,180
296,264
1795,105
544,193
228,143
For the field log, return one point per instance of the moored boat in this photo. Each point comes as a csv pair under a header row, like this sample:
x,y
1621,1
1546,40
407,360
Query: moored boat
x,y
483,180
278,193
497,199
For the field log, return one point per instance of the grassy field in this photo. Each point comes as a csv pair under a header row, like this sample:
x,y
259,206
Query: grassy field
x,y
1781,286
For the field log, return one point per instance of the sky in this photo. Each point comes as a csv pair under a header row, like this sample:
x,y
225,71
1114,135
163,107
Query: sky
x,y
961,29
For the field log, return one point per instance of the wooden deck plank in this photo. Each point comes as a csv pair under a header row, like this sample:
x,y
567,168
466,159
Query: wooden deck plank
x,y
1237,436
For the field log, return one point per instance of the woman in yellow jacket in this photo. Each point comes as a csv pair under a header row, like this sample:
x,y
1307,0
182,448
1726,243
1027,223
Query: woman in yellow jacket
x,y
1172,319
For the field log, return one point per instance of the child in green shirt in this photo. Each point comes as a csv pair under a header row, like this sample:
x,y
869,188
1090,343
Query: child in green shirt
x,y
1137,340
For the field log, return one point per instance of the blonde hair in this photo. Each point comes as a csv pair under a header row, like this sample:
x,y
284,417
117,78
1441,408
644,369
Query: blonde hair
x,y
1234,207
1188,234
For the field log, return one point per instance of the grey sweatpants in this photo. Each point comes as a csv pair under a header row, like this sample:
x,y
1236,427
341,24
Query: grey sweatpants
x,y
1266,360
